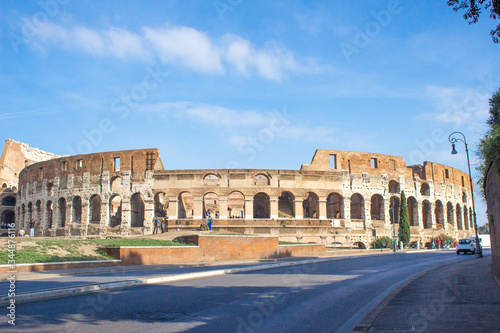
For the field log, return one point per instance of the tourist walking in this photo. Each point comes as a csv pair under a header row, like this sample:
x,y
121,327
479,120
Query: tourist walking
x,y
156,225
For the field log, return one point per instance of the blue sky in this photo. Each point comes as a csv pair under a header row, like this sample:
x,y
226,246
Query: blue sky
x,y
245,84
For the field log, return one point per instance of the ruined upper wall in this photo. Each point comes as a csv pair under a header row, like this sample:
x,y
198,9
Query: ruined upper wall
x,y
380,164
138,160
17,155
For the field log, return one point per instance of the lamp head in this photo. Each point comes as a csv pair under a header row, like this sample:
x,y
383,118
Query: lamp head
x,y
453,150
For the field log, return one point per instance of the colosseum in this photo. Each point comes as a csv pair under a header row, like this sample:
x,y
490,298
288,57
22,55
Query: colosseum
x,y
343,198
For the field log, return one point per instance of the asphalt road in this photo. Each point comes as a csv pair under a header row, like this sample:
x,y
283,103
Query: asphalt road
x,y
323,297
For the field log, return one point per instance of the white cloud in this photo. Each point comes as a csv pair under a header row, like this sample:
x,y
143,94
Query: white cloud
x,y
457,106
113,42
179,45
186,45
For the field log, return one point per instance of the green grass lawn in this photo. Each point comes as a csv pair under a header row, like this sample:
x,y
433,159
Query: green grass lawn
x,y
33,250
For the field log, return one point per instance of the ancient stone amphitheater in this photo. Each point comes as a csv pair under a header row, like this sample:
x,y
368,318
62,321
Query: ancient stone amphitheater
x,y
340,197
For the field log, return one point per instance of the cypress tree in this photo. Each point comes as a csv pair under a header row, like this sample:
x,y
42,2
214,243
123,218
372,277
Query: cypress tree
x,y
404,224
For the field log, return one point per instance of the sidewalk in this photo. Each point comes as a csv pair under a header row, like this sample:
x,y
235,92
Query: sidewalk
x,y
458,297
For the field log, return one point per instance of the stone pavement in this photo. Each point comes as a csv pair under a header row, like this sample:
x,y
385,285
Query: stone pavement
x,y
458,297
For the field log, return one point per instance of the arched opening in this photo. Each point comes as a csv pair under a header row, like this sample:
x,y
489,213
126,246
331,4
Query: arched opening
x,y
439,212
211,180
449,213
186,206
334,206
116,184
261,206
211,205
49,212
76,210
412,211
4,185
115,211
61,206
95,209
161,204
286,205
459,218
377,208
394,210
394,187
236,205
466,218
50,189
464,197
261,180
471,217
9,201
311,206
23,214
137,211
426,214
8,216
38,211
30,211
357,207
425,190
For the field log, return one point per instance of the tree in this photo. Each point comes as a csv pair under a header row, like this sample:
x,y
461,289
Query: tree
x,y
404,220
483,230
489,148
473,10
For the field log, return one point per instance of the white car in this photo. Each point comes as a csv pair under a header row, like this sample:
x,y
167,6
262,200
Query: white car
x,y
466,245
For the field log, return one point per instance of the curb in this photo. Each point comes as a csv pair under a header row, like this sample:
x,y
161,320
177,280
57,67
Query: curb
x,y
53,293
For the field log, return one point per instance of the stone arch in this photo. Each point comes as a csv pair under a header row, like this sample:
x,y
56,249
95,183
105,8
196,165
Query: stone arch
x,y
377,207
14,189
394,187
4,185
50,213
412,211
9,201
8,216
426,214
459,217
76,210
286,205
211,180
161,204
449,213
439,212
137,211
116,184
211,204
30,211
357,207
236,204
311,206
61,210
95,208
335,206
38,210
186,205
425,189
394,210
261,180
466,218
115,210
50,189
261,206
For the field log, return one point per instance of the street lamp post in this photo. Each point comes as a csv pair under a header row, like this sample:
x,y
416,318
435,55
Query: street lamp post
x,y
393,227
453,141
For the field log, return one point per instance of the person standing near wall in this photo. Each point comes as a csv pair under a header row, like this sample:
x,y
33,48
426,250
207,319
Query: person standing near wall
x,y
156,225
32,228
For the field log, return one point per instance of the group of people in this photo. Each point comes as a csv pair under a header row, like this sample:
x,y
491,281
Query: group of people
x,y
32,225
159,224
235,217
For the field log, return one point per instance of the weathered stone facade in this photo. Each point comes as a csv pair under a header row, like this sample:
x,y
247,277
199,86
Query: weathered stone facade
x,y
339,197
